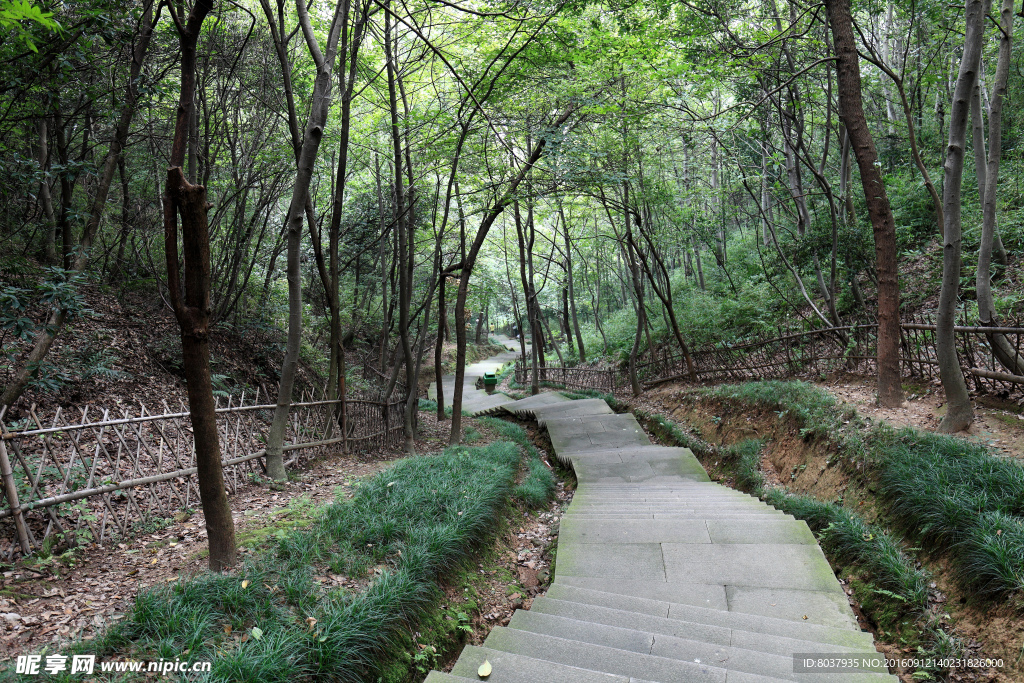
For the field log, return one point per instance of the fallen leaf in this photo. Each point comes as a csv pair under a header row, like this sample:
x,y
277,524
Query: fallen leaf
x,y
257,632
227,629
805,616
245,584
485,670
310,622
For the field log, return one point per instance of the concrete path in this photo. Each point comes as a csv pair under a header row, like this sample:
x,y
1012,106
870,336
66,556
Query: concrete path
x,y
478,401
663,576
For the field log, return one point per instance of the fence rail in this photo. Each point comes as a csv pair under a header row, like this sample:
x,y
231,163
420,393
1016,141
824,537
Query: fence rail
x,y
572,378
849,348
95,474
809,353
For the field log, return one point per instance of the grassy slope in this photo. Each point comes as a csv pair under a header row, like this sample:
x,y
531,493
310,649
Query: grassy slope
x,y
277,619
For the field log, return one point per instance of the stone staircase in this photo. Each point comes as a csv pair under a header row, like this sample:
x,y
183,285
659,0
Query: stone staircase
x,y
663,576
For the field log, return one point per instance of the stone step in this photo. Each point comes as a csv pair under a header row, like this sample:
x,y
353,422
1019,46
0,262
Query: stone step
x,y
582,529
828,623
684,494
680,514
661,574
601,658
511,667
687,649
578,408
663,506
441,677
809,640
525,406
675,493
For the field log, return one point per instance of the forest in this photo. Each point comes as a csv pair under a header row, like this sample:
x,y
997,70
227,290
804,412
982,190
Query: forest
x,y
335,204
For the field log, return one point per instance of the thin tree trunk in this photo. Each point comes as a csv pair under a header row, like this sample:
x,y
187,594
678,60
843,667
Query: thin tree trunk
x,y
572,290
959,411
402,226
312,135
890,390
49,236
1004,351
442,322
469,261
700,267
480,325
192,310
525,241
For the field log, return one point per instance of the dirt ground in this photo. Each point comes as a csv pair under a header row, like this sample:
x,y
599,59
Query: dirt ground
x,y
999,424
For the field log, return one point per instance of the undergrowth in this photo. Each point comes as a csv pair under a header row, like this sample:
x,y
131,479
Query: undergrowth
x,y
950,495
953,495
281,619
538,487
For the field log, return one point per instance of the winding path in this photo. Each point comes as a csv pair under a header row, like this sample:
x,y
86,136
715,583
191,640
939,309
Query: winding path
x,y
663,576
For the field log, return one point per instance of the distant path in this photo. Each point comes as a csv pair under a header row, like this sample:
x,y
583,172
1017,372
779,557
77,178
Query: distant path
x,y
663,576
478,401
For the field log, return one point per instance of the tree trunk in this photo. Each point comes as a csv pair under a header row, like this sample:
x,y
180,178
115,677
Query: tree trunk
x,y
442,323
700,267
480,326
959,411
469,261
192,306
851,110
311,138
49,237
1004,351
525,241
402,225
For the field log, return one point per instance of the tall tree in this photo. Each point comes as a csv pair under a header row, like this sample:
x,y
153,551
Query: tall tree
x,y
959,411
1003,350
192,307
883,227
297,208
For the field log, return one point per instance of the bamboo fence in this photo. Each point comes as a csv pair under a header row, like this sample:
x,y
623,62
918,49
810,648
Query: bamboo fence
x,y
94,475
849,348
601,379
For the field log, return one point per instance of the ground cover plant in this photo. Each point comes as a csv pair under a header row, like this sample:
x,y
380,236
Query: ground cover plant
x,y
286,615
953,496
538,486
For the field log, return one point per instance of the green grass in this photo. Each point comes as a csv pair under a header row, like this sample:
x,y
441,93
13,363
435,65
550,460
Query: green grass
x,y
669,431
747,458
814,410
538,487
850,541
951,495
277,620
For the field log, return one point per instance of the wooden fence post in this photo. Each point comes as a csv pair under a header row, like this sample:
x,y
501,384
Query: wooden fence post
x,y
11,488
